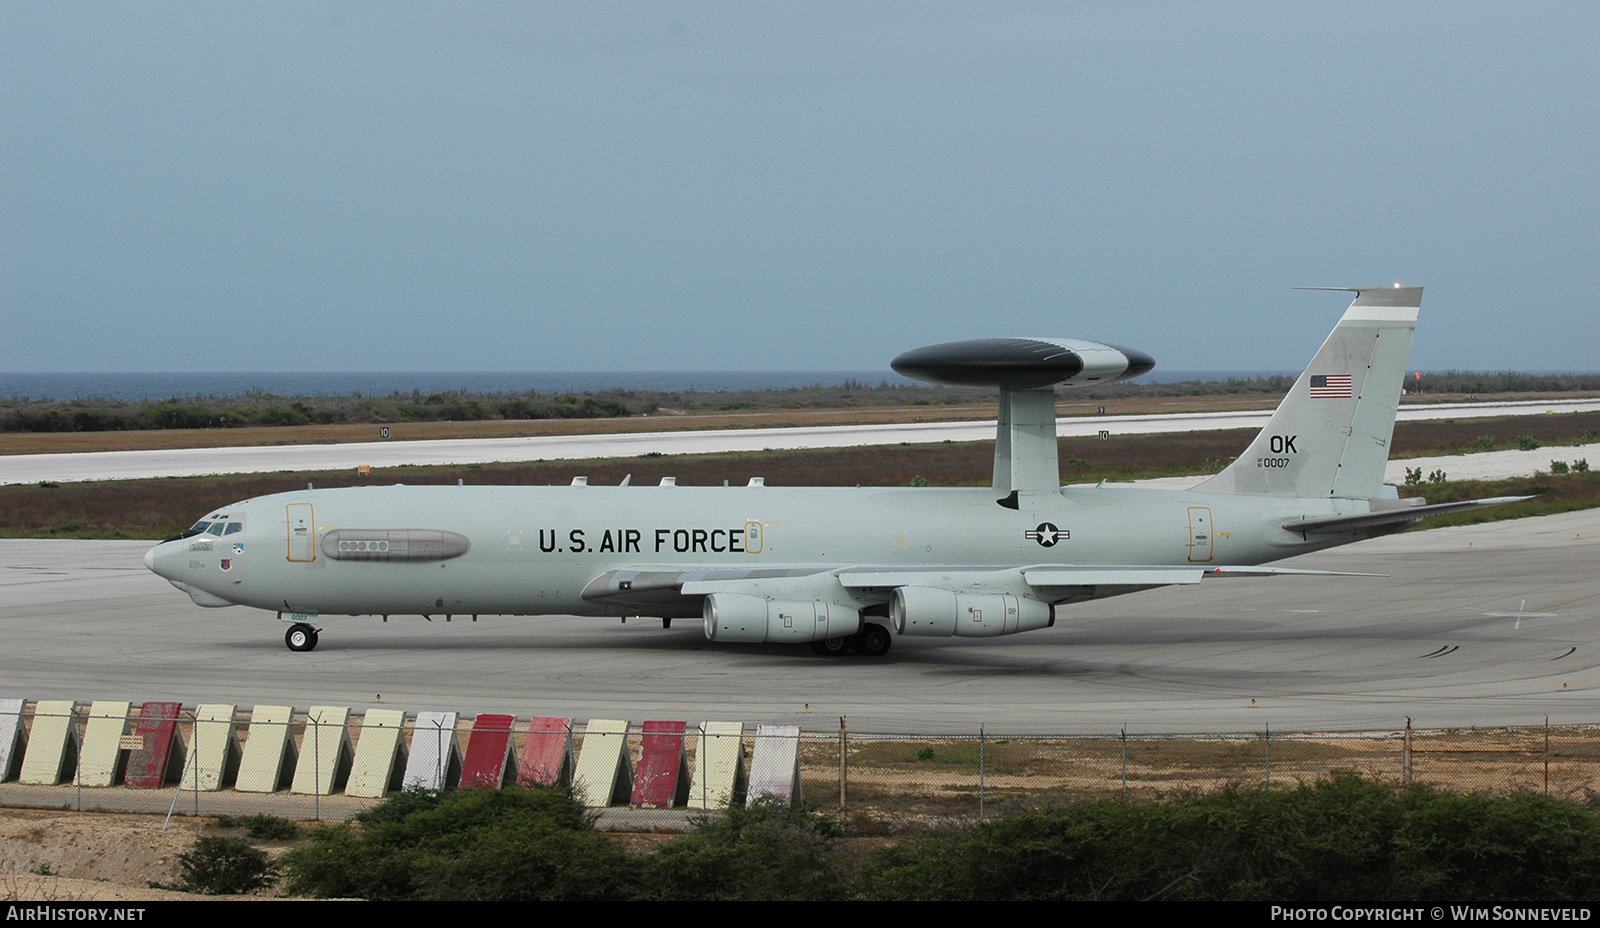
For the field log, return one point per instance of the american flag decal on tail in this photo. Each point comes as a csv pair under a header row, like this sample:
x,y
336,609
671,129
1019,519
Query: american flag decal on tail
x,y
1330,386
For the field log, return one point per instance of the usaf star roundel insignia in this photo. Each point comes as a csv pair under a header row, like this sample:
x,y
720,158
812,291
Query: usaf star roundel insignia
x,y
1046,534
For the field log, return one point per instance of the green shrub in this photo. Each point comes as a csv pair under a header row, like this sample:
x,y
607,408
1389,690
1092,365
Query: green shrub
x,y
1528,442
1345,838
1486,442
506,844
769,851
225,866
262,827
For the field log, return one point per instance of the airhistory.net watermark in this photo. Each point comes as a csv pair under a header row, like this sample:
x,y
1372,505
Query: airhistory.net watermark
x,y
73,913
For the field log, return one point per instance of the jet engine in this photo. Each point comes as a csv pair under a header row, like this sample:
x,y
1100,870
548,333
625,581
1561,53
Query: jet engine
x,y
936,613
746,619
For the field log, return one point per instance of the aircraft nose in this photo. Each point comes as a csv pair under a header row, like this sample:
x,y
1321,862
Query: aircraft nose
x,y
164,560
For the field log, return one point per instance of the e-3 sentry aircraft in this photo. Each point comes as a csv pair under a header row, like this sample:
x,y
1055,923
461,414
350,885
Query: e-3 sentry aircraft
x,y
838,568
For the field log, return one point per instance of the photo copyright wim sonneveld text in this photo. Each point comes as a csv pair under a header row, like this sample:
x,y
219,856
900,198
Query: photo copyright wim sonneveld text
x,y
1455,913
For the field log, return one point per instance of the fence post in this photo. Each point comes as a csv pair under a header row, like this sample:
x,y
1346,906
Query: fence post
x,y
1269,754
439,762
982,744
1547,755
843,770
77,758
1405,755
316,766
194,760
1124,763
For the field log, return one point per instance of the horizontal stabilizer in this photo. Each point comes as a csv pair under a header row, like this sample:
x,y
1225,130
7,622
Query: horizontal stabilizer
x,y
1363,520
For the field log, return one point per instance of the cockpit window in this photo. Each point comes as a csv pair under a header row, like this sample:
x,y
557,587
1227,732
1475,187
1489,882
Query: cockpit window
x,y
234,527
198,527
216,528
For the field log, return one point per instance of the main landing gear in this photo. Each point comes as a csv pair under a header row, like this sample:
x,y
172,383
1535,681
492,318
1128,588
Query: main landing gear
x,y
300,637
831,647
872,641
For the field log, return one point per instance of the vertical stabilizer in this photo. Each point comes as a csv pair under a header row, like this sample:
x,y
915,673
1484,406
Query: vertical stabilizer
x,y
1330,436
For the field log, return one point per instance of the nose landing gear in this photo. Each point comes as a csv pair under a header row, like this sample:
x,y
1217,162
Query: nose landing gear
x,y
300,637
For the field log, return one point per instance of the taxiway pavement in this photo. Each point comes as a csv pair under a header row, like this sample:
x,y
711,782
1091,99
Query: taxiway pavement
x,y
1495,624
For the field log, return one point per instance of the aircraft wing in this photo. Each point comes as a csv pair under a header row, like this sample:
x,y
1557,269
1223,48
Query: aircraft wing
x,y
660,586
1352,523
663,586
1055,576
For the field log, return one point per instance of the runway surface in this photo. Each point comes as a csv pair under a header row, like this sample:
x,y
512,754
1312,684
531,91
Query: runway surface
x,y
190,462
1496,624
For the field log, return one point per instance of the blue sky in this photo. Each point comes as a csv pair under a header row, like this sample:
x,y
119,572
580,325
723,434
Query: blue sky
x,y
520,186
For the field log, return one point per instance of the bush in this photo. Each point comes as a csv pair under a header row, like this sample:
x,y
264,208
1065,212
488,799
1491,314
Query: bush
x,y
769,851
261,827
506,844
1528,442
1344,838
225,866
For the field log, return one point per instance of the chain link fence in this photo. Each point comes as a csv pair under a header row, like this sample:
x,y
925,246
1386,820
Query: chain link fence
x,y
311,766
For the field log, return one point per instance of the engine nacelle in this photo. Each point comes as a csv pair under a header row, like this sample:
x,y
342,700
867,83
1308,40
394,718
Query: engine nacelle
x,y
745,619
936,613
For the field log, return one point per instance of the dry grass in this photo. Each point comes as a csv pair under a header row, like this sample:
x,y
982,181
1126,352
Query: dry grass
x,y
663,421
160,508
907,780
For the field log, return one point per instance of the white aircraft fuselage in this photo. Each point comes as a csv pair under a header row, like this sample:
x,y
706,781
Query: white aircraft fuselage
x,y
839,567
535,550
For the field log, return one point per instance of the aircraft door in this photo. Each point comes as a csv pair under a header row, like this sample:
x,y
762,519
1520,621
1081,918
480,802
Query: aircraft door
x,y
1199,533
302,533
